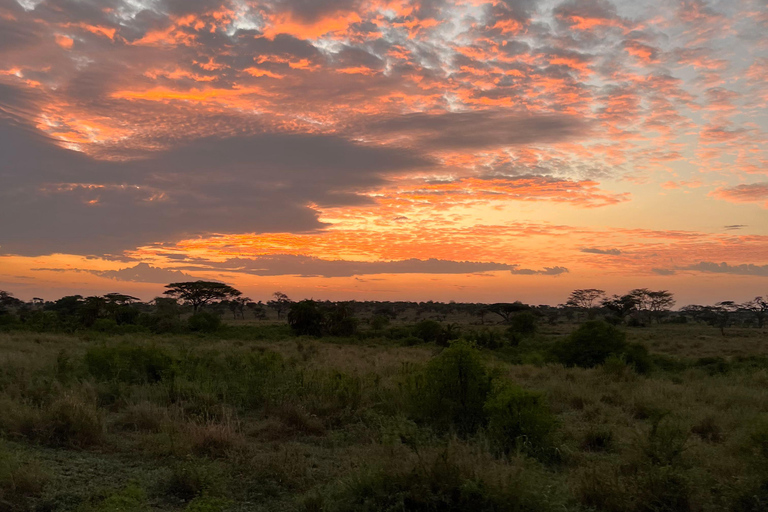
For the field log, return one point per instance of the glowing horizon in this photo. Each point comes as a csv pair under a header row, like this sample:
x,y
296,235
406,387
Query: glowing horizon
x,y
476,151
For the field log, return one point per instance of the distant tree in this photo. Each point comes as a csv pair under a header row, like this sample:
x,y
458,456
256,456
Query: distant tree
x,y
119,307
507,309
620,305
759,309
652,304
719,315
280,303
257,309
723,314
585,298
199,293
7,300
339,320
306,317
237,306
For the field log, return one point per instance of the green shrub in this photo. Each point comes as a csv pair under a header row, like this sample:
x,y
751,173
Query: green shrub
x,y
71,422
429,331
306,318
204,321
128,363
131,499
452,390
191,479
519,420
591,344
637,355
446,481
522,325
20,480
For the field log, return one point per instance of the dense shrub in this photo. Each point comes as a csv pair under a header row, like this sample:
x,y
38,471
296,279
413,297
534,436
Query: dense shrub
x,y
519,420
71,422
521,325
20,479
447,481
452,390
430,331
203,321
636,355
128,363
591,344
306,318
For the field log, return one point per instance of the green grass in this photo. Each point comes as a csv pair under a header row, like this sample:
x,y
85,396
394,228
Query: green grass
x,y
234,422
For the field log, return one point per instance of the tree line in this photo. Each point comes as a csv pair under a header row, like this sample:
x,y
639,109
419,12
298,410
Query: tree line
x,y
200,306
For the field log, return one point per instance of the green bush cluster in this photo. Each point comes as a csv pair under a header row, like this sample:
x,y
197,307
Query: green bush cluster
x,y
592,343
457,392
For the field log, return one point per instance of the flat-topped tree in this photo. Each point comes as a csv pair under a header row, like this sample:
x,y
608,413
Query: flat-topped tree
x,y
200,293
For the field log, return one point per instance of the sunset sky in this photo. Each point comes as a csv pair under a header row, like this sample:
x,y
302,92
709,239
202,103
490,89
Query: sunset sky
x,y
477,151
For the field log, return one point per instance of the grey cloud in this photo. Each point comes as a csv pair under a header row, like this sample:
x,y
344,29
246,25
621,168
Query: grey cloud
x,y
257,183
288,264
144,273
140,273
595,250
547,271
603,9
481,129
733,227
746,269
663,271
311,10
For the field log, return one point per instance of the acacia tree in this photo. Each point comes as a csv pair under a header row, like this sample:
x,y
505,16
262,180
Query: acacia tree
x,y
200,293
654,303
584,299
759,308
280,303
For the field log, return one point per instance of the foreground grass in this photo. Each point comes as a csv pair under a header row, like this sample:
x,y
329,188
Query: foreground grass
x,y
190,423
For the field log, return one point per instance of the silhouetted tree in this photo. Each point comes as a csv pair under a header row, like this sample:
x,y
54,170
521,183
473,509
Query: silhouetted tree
x,y
620,305
585,298
257,309
305,317
237,306
506,310
759,309
653,303
200,293
280,303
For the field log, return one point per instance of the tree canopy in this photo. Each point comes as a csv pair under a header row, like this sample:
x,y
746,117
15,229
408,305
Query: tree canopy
x,y
200,293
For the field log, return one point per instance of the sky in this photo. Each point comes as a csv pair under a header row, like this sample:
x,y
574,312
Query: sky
x,y
476,151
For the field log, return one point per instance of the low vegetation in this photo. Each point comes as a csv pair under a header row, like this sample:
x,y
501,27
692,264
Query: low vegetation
x,y
342,407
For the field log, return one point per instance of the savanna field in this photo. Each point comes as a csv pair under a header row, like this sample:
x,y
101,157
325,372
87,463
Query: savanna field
x,y
409,413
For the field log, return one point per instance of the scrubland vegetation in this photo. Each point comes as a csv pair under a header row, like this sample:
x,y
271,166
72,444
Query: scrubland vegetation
x,y
348,407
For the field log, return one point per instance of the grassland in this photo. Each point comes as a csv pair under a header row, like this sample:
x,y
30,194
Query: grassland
x,y
93,422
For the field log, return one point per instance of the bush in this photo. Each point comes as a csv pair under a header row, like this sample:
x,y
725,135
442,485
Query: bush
x,y
127,363
636,354
70,422
522,325
306,318
204,321
452,390
519,420
591,344
429,331
131,499
191,479
19,480
441,481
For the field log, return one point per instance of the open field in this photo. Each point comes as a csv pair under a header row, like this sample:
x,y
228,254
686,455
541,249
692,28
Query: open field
x,y
97,422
